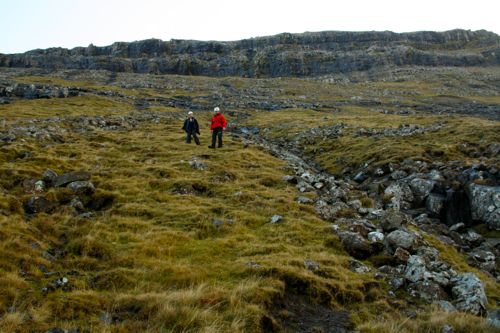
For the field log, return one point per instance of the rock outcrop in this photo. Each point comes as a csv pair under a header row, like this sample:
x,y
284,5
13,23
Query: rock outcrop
x,y
307,54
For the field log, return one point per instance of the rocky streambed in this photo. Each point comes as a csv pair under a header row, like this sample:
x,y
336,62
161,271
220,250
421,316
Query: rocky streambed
x,y
393,215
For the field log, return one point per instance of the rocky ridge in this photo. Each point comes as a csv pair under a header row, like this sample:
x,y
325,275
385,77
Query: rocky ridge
x,y
306,54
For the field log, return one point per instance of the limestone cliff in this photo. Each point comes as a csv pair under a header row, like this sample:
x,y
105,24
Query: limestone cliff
x,y
306,54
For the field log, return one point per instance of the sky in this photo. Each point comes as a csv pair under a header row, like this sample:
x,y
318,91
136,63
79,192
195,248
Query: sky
x,y
32,24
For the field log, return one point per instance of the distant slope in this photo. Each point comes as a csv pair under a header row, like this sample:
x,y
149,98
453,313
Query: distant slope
x,y
306,54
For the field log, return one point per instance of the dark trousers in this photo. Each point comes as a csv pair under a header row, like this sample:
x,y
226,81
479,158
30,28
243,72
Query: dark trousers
x,y
217,134
195,137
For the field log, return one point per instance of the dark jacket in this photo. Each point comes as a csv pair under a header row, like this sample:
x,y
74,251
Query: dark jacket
x,y
218,121
191,126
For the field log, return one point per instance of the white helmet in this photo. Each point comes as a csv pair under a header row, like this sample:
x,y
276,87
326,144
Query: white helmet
x,y
217,109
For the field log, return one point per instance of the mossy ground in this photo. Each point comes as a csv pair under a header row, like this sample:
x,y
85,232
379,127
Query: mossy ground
x,y
155,261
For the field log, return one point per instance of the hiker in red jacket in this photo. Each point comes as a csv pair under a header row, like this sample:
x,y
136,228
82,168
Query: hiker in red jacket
x,y
219,124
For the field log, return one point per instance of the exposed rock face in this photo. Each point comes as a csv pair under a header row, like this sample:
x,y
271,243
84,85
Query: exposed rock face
x,y
285,54
485,204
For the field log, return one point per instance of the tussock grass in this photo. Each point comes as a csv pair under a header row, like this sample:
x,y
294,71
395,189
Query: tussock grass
x,y
154,259
354,151
174,249
90,105
428,322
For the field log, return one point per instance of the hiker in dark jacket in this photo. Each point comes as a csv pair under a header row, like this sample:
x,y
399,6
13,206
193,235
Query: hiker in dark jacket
x,y
218,125
191,128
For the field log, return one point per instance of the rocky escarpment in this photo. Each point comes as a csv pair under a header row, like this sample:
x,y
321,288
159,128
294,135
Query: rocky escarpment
x,y
306,54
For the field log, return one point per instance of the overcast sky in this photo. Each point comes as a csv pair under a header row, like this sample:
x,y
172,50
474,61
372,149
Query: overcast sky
x,y
31,24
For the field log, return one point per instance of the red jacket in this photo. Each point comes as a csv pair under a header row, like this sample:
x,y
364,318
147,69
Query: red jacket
x,y
218,121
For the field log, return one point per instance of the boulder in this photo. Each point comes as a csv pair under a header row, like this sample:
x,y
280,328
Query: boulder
x,y
329,212
493,318
276,218
445,306
485,204
304,200
469,295
472,238
402,239
430,254
358,266
392,220
376,237
457,227
39,186
428,291
360,177
49,176
401,195
38,204
355,244
360,228
70,177
77,204
421,189
397,282
290,179
434,204
29,185
401,255
82,187
196,164
416,269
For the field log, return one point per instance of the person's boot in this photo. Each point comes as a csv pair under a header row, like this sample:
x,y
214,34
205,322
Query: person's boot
x,y
211,147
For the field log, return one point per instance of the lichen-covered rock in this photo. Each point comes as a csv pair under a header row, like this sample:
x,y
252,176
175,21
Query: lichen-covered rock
x,y
434,204
329,212
428,290
392,220
485,204
421,189
402,239
469,295
416,269
400,195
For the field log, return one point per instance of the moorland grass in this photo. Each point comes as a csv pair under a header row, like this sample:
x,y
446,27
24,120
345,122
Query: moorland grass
x,y
153,260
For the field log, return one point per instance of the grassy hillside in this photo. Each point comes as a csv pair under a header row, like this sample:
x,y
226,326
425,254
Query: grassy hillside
x,y
172,248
